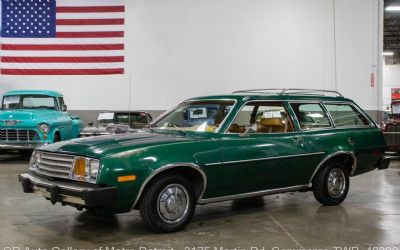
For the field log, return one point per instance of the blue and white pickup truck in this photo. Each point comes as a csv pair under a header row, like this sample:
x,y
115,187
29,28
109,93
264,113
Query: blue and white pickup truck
x,y
33,118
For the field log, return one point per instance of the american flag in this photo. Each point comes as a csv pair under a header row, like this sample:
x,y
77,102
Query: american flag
x,y
63,37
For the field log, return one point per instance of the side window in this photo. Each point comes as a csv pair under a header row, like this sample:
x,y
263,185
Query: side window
x,y
61,102
311,116
262,118
346,115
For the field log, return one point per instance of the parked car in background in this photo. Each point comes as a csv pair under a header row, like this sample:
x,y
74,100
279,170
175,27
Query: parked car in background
x,y
391,127
116,122
215,148
33,118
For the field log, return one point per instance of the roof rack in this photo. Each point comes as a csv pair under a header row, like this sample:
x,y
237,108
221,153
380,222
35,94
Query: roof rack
x,y
289,91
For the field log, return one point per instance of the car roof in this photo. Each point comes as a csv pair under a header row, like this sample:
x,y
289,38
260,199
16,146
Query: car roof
x,y
123,111
34,92
278,95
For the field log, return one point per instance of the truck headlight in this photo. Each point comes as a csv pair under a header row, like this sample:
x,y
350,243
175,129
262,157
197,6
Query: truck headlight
x,y
86,169
44,128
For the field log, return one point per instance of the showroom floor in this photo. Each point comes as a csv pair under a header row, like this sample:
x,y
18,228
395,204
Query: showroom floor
x,y
369,217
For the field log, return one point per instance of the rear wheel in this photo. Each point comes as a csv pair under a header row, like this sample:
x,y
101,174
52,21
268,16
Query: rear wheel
x,y
168,204
331,184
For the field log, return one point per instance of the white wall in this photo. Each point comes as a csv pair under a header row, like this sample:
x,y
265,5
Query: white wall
x,y
178,49
391,79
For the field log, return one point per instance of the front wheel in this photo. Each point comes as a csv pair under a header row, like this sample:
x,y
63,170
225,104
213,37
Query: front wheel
x,y
168,204
331,184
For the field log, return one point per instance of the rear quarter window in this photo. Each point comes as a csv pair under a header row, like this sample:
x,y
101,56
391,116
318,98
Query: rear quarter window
x,y
346,115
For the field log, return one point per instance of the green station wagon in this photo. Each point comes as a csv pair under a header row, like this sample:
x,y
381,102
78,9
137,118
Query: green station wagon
x,y
215,148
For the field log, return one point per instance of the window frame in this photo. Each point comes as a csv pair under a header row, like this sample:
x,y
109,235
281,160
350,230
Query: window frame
x,y
321,104
285,106
371,124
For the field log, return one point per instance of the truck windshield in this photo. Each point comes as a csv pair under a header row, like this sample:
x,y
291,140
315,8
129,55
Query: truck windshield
x,y
29,102
197,116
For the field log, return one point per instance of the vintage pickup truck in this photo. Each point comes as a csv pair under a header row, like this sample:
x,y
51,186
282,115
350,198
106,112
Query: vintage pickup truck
x,y
33,118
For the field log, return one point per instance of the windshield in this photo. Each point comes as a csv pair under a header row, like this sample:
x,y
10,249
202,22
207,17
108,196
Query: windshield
x,y
29,102
198,116
134,120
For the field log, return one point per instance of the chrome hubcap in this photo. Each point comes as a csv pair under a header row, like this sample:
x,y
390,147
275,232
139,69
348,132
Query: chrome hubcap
x,y
336,183
173,203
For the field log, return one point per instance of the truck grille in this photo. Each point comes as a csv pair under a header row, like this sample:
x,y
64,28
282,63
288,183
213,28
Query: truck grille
x,y
55,165
17,135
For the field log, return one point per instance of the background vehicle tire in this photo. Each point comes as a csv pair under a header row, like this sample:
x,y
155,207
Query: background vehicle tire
x,y
168,204
331,184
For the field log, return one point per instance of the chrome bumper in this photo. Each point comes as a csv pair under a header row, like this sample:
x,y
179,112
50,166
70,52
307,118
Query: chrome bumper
x,y
20,145
68,192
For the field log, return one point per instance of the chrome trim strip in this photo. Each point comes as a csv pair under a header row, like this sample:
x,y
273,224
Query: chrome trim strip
x,y
253,194
167,167
353,168
264,159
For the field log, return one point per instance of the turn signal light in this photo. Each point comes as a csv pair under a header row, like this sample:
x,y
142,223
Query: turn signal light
x,y
126,178
79,169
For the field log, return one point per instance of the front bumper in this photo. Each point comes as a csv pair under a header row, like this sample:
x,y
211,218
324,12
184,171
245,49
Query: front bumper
x,y
383,163
20,145
69,193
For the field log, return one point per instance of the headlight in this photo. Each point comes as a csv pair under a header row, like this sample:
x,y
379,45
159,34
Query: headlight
x,y
44,128
34,160
86,169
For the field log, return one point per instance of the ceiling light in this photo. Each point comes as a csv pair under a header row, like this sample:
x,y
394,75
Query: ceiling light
x,y
387,53
392,8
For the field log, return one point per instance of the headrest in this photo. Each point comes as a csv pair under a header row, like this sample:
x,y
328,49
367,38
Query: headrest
x,y
271,122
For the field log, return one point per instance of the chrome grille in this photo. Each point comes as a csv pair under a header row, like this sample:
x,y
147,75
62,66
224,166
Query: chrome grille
x,y
55,165
17,135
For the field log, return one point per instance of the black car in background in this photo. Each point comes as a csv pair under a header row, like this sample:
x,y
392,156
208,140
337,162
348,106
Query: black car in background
x,y
116,122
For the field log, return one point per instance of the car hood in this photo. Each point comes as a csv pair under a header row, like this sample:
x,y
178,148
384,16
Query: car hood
x,y
28,117
103,146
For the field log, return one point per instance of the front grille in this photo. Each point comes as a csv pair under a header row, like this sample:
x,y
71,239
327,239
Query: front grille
x,y
55,165
17,135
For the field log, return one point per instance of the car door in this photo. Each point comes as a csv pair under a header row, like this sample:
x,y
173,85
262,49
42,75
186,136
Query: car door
x,y
262,150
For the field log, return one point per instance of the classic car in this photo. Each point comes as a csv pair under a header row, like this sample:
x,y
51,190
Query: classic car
x,y
215,148
115,122
33,118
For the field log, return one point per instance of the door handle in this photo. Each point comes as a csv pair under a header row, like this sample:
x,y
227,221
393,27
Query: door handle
x,y
298,139
351,140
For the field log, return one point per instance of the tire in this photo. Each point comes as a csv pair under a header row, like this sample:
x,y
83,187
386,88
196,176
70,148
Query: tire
x,y
157,204
56,138
331,184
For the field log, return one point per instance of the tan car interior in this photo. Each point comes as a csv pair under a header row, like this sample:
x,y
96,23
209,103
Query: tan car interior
x,y
267,125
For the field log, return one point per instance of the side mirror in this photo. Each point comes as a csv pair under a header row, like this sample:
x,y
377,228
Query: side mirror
x,y
249,130
64,107
90,123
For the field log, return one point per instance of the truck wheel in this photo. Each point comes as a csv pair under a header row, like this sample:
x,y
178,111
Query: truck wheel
x,y
168,204
331,184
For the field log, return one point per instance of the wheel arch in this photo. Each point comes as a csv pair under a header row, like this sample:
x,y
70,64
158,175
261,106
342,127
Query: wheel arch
x,y
339,155
185,168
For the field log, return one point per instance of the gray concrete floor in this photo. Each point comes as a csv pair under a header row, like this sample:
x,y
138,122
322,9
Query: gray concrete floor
x,y
369,217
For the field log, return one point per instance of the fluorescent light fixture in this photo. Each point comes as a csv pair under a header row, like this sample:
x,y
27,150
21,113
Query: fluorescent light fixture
x,y
387,53
392,8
